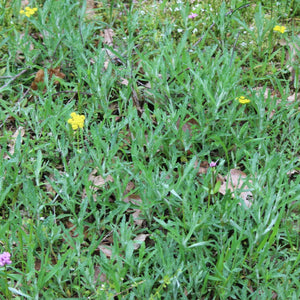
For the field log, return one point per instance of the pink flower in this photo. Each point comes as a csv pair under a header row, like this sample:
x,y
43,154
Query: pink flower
x,y
5,259
213,164
192,16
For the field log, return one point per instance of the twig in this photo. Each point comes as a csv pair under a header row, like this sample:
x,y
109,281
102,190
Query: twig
x,y
80,32
203,35
14,78
229,13
178,75
234,49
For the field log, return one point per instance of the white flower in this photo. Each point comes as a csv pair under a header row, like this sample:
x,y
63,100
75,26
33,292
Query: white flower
x,y
179,30
195,30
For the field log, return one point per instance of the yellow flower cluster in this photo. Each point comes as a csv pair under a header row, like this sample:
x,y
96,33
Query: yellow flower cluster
x,y
28,12
280,29
76,121
243,100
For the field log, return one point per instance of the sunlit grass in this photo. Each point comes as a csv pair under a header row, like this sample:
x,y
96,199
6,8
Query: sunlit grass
x,y
136,195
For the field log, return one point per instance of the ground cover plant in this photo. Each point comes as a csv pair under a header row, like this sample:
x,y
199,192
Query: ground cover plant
x,y
149,149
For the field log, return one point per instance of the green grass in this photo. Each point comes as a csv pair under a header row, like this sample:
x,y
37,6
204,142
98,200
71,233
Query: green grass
x,y
120,210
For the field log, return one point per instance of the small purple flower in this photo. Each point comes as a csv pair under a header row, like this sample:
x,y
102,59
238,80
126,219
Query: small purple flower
x,y
213,164
193,16
5,259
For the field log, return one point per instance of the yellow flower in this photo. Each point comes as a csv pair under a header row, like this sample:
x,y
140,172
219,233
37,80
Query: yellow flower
x,y
243,100
280,29
76,121
28,12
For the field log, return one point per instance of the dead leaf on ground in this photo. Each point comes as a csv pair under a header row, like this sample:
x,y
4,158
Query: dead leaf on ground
x,y
293,98
189,124
97,182
236,181
11,145
204,165
50,190
106,250
24,3
39,77
124,81
140,238
129,187
136,200
90,13
98,276
108,36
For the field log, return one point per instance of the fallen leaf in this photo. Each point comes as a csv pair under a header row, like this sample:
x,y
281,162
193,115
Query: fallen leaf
x,y
188,125
136,217
98,275
204,165
105,250
90,13
39,77
24,3
11,145
236,181
129,187
124,81
97,182
136,200
108,36
293,98
140,238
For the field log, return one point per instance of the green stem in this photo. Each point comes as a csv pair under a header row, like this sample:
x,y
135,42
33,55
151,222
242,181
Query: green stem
x,y
7,292
77,140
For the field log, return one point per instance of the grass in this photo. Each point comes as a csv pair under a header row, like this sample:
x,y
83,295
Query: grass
x,y
127,207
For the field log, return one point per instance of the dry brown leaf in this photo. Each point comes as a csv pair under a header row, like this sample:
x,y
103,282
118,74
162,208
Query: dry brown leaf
x,y
11,145
204,165
136,217
188,125
136,200
129,187
124,81
97,182
90,9
39,77
24,3
106,250
140,238
293,98
108,36
236,180
98,276
106,63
